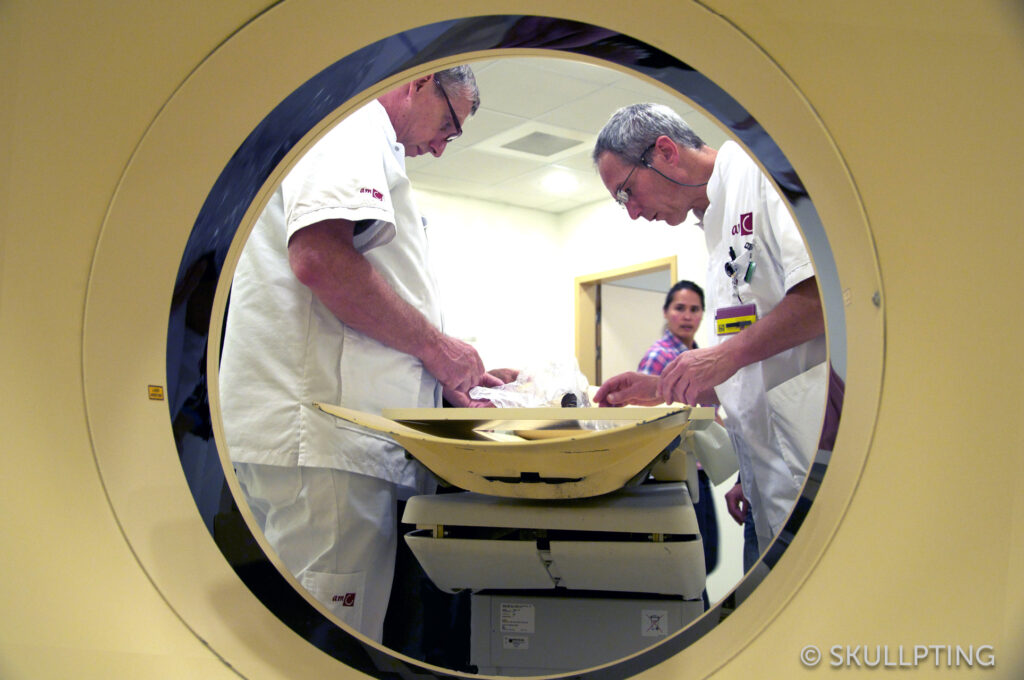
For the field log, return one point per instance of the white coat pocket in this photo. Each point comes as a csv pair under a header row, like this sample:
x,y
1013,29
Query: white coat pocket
x,y
796,408
375,377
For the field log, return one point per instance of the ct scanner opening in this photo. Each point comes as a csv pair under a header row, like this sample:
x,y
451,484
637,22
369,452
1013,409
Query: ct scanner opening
x,y
291,124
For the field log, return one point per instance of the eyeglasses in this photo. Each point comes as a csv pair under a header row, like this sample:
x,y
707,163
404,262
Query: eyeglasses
x,y
455,119
622,194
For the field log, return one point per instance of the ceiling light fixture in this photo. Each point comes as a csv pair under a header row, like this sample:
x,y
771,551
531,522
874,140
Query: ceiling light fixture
x,y
559,181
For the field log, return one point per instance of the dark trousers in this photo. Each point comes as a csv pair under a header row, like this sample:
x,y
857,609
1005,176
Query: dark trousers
x,y
423,621
707,521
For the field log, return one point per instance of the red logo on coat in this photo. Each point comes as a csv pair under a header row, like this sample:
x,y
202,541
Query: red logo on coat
x,y
346,600
373,192
745,226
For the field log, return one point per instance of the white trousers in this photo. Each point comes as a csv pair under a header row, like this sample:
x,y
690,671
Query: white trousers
x,y
335,531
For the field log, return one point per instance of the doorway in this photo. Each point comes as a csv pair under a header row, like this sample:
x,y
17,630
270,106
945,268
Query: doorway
x,y
617,315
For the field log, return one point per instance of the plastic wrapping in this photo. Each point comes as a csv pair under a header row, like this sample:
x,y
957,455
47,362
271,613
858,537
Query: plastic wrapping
x,y
555,383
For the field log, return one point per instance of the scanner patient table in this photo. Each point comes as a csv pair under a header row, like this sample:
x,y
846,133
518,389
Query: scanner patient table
x,y
572,561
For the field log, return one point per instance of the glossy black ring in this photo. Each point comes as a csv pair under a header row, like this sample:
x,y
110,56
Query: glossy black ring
x,y
257,157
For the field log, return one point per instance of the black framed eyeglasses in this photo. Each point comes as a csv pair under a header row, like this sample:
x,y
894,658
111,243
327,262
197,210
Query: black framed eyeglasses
x,y
455,119
621,192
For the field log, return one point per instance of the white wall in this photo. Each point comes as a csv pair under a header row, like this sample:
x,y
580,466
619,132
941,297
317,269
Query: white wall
x,y
501,278
507,275
631,319
600,236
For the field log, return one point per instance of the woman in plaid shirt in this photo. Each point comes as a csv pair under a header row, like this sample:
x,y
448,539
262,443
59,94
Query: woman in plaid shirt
x,y
683,310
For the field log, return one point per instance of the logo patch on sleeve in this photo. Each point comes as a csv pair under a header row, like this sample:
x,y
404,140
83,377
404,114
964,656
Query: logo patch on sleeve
x,y
346,600
745,227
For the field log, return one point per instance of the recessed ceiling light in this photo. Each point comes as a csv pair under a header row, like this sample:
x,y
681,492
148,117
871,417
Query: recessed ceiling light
x,y
558,181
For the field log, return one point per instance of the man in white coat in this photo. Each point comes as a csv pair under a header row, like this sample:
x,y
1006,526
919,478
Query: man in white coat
x,y
767,362
333,301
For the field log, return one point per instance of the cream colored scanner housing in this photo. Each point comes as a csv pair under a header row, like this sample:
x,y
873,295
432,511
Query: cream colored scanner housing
x,y
900,117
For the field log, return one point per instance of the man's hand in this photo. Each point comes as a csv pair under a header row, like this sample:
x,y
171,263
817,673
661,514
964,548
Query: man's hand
x,y
458,368
629,388
694,374
496,377
323,257
737,503
463,400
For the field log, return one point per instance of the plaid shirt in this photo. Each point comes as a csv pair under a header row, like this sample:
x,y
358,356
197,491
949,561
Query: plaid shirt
x,y
661,354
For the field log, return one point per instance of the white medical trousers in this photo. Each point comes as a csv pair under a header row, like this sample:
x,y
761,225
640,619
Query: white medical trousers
x,y
335,531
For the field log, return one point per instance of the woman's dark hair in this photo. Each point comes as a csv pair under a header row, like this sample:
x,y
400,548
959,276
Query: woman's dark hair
x,y
683,285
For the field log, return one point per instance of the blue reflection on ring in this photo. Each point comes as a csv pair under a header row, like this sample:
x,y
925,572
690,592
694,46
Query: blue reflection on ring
x,y
248,169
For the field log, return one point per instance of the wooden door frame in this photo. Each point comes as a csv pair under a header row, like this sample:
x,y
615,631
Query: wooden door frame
x,y
588,305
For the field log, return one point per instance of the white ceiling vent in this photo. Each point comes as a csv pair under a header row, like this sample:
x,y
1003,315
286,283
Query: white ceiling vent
x,y
542,144
537,141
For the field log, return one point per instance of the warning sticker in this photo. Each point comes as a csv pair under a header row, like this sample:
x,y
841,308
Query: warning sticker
x,y
653,623
517,617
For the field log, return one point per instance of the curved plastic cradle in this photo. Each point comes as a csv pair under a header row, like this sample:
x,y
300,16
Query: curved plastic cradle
x,y
576,463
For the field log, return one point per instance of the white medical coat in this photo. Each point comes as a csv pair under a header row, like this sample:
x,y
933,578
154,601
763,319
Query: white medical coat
x,y
774,408
284,349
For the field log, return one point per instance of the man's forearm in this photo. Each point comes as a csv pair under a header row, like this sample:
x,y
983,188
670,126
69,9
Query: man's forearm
x,y
796,319
324,259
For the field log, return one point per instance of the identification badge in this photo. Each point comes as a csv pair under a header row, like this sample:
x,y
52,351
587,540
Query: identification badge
x,y
729,320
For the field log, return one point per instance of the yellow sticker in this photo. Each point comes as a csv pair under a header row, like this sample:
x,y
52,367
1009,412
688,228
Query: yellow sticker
x,y
734,324
156,392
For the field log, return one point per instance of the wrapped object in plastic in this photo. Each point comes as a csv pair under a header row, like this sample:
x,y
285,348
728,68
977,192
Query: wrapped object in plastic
x,y
555,383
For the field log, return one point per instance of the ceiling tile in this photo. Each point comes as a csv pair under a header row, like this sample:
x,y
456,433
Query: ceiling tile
x,y
484,124
580,161
591,111
586,186
578,70
522,89
499,144
478,166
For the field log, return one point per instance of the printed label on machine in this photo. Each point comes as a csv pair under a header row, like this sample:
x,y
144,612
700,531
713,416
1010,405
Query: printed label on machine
x,y
515,642
517,617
